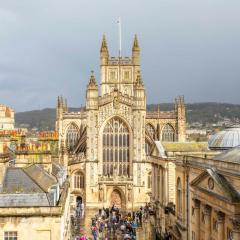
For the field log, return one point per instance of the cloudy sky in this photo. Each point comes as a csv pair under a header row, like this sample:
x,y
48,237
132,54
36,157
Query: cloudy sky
x,y
49,47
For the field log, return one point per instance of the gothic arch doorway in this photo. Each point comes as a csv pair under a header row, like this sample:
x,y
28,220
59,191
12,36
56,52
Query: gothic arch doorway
x,y
117,199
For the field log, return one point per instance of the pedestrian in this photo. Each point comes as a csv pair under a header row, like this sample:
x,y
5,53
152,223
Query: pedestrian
x,y
83,237
94,232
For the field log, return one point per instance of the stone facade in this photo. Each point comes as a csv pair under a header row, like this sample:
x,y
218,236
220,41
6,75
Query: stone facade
x,y
6,118
195,194
91,141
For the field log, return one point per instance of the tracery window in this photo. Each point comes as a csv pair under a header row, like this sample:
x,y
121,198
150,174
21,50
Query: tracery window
x,y
168,133
151,130
147,148
179,196
79,180
116,156
72,136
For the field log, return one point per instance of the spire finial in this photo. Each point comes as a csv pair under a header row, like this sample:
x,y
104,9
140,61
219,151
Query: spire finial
x,y
104,47
135,44
92,80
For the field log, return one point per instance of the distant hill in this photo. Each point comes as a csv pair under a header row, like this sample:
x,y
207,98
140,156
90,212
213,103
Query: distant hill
x,y
196,112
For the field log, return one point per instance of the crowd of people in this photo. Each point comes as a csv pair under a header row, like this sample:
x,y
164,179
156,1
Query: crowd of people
x,y
110,223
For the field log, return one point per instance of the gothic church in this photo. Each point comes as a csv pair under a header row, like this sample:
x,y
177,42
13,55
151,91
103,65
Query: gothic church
x,y
107,143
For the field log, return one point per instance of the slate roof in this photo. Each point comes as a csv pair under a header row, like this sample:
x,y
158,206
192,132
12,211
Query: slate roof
x,y
40,176
24,200
232,155
17,181
26,187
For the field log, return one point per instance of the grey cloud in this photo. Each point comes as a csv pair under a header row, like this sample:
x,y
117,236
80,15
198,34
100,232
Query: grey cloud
x,y
49,47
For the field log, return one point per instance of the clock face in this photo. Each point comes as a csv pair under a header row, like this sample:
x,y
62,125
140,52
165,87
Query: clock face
x,y
210,183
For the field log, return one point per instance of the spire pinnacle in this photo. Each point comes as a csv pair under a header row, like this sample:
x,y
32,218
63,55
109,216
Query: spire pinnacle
x,y
104,47
92,81
135,44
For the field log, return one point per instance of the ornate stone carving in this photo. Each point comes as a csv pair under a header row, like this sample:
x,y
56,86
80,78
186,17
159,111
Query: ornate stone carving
x,y
207,210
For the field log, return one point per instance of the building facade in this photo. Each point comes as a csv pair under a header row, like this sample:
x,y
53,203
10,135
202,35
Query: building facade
x,y
105,145
6,118
195,190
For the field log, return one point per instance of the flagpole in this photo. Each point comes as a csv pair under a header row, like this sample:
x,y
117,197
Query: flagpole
x,y
120,51
120,37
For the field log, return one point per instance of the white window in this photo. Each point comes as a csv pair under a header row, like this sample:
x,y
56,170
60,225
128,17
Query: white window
x,y
11,235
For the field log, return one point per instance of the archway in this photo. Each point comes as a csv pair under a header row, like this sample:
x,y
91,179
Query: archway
x,y
79,200
116,199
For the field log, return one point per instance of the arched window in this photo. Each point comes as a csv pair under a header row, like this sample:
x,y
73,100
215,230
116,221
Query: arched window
x,y
116,158
79,180
179,196
71,136
168,133
147,148
151,130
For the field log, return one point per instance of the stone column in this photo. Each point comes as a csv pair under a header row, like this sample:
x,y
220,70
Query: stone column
x,y
207,222
220,225
236,229
197,218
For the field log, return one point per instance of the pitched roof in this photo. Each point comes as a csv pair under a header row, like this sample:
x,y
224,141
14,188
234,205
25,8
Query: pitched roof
x,y
40,176
26,187
17,181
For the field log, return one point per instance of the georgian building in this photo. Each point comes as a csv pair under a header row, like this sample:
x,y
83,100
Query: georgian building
x,y
196,195
106,144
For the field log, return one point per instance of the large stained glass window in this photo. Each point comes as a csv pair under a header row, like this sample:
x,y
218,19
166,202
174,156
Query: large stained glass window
x,y
168,133
116,156
71,136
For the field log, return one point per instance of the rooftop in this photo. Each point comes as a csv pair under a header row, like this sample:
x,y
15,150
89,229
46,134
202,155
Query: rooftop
x,y
232,155
225,139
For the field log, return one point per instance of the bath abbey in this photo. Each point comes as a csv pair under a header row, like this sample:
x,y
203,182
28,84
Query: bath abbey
x,y
107,143
116,170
